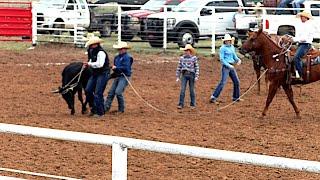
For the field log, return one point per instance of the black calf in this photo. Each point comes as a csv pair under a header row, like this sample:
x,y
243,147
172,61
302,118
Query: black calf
x,y
71,84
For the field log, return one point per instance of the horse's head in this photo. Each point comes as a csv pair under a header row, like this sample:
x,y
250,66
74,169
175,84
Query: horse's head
x,y
252,43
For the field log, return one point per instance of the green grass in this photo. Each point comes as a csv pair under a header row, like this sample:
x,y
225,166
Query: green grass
x,y
15,46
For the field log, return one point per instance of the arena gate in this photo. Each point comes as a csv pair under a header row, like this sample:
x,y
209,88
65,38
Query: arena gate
x,y
120,147
15,21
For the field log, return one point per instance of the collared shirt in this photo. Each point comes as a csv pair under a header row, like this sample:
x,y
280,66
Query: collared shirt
x,y
304,32
188,63
228,55
100,60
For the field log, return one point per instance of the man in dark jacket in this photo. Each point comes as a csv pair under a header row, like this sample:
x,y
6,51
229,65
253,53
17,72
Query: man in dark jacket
x,y
99,62
122,69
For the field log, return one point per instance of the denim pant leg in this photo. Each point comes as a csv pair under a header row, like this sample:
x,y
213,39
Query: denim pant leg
x,y
282,4
192,91
111,94
122,84
224,75
236,84
90,92
183,90
301,51
102,81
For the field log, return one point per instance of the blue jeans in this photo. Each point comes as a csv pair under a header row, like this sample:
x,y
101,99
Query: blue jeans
x,y
302,50
283,4
118,86
185,78
94,92
297,4
225,72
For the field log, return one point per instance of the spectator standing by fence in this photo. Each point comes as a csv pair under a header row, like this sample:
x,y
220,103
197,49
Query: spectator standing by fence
x,y
188,72
228,59
122,71
99,62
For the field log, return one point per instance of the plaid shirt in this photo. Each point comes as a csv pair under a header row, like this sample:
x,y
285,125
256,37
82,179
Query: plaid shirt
x,y
188,63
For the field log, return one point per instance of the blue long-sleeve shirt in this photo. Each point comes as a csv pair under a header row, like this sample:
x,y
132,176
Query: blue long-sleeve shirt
x,y
123,64
228,55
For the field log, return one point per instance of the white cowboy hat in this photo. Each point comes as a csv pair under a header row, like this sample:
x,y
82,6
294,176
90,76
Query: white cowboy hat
x,y
305,14
93,40
121,45
190,48
227,37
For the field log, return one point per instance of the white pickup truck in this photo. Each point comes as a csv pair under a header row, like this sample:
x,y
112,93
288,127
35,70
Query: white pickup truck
x,y
190,21
62,14
283,23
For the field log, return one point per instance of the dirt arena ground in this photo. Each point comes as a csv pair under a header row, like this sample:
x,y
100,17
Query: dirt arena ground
x,y
26,100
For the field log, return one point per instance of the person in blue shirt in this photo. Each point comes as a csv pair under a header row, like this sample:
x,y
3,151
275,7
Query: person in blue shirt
x,y
228,59
121,72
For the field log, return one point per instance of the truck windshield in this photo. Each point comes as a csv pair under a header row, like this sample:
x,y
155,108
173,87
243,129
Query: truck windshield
x,y
153,5
52,3
188,6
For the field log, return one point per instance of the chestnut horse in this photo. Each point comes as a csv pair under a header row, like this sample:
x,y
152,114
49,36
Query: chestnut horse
x,y
279,73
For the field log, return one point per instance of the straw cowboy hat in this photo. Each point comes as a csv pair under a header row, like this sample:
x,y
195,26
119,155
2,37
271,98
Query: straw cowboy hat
x,y
227,37
190,48
121,45
305,14
93,40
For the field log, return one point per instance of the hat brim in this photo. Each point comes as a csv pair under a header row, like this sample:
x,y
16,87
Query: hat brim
x,y
121,47
89,43
192,50
304,15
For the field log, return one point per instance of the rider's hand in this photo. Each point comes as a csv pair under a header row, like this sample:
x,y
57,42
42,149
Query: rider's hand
x,y
85,64
239,62
177,80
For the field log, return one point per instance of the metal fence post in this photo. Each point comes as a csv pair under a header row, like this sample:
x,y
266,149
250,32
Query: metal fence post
x,y
119,23
119,161
213,38
34,24
75,34
165,29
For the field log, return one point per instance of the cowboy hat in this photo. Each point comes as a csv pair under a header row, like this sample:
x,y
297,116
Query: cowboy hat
x,y
227,37
305,14
93,40
190,48
121,45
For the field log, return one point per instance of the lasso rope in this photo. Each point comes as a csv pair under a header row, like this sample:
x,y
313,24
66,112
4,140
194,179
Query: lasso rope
x,y
70,87
141,98
224,107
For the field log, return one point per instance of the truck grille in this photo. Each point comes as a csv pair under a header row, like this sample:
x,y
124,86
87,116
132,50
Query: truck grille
x,y
154,24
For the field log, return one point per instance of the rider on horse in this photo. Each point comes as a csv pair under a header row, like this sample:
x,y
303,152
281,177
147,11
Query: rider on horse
x,y
304,36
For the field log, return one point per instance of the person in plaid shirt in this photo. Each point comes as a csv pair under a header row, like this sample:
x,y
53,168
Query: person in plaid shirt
x,y
187,71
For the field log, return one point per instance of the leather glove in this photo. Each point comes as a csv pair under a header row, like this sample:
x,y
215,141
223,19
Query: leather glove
x,y
239,62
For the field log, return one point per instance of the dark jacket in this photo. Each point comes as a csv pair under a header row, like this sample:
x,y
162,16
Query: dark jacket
x,y
93,54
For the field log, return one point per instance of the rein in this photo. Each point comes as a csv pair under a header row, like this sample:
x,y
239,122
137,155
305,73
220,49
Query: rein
x,y
69,87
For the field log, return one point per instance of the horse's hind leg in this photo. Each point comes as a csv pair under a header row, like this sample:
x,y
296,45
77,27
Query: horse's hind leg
x,y
288,89
273,87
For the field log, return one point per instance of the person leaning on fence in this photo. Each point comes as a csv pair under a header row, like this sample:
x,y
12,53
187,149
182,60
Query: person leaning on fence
x,y
259,15
98,61
228,59
121,72
187,71
304,36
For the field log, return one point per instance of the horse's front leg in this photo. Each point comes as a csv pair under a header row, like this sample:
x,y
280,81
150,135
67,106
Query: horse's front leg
x,y
273,87
288,89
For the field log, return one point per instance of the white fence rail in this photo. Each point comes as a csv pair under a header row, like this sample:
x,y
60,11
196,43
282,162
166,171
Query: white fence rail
x,y
121,144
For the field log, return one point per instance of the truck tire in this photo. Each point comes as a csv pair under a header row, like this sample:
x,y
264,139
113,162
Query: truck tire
x,y
60,26
156,43
125,36
106,30
282,30
186,36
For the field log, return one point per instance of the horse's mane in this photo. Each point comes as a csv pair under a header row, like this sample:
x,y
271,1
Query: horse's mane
x,y
273,39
